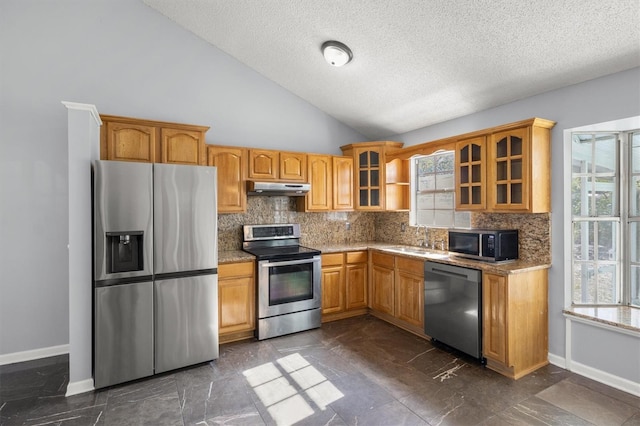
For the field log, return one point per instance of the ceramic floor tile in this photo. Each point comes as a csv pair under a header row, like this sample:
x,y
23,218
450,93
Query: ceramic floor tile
x,y
354,371
536,412
588,404
163,410
393,413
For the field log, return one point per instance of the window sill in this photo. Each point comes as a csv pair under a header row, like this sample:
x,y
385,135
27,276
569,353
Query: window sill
x,y
621,318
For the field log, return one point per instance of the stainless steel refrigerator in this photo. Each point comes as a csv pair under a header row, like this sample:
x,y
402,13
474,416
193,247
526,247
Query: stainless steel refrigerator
x,y
155,269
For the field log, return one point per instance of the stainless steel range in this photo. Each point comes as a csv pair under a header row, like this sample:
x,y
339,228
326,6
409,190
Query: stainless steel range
x,y
288,274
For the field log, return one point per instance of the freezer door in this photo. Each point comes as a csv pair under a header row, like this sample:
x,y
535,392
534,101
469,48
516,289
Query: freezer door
x,y
185,218
123,338
122,197
186,321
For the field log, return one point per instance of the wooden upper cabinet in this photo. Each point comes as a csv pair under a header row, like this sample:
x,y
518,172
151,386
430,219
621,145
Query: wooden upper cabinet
x,y
369,172
179,146
397,196
519,168
319,170
293,166
470,169
133,139
231,163
263,164
268,164
342,183
128,142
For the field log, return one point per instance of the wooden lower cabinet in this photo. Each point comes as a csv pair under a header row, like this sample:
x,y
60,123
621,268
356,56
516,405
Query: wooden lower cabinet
x,y
356,284
344,285
397,291
410,291
515,322
333,290
236,301
382,283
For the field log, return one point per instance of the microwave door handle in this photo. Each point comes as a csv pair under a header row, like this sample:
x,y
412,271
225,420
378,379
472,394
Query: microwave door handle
x,y
289,262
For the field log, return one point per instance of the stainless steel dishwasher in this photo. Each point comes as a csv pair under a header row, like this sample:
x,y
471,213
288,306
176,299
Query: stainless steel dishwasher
x,y
453,306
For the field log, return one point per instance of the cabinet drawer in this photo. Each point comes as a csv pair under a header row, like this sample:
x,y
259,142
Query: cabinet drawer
x,y
242,269
357,257
332,259
382,259
411,265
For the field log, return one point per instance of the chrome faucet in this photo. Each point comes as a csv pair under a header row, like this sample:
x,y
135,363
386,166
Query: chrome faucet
x,y
423,242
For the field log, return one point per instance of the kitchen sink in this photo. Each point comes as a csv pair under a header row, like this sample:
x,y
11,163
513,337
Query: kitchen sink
x,y
417,251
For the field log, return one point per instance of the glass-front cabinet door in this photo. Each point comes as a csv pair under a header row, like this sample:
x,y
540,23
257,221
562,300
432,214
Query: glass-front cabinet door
x,y
508,177
369,192
471,160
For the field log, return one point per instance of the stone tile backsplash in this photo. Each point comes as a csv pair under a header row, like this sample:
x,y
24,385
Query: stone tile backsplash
x,y
316,228
330,228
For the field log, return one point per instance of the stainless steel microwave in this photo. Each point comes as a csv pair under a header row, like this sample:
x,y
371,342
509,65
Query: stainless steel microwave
x,y
481,244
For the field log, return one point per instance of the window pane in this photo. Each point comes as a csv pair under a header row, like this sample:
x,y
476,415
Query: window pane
x,y
635,285
606,287
581,153
583,283
591,197
583,240
634,196
579,196
635,153
606,248
445,162
606,154
634,242
606,200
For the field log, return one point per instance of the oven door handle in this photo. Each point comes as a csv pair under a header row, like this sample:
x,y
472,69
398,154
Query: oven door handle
x,y
289,262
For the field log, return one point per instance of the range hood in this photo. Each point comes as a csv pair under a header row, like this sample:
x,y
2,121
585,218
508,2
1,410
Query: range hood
x,y
292,189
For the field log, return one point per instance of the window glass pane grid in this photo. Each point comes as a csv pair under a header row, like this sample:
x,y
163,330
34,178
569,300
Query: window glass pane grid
x,y
433,201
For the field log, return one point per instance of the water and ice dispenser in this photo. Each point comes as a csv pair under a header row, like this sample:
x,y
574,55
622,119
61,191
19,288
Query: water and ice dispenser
x,y
124,251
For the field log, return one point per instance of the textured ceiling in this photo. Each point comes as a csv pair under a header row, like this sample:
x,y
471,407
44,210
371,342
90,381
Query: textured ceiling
x,y
418,62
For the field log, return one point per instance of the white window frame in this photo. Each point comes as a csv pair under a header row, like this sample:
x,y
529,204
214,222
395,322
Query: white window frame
x,y
617,126
458,219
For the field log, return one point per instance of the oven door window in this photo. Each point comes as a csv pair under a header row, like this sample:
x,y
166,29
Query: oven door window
x,y
290,283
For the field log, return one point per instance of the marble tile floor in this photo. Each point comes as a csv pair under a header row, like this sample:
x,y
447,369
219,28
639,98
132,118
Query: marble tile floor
x,y
358,371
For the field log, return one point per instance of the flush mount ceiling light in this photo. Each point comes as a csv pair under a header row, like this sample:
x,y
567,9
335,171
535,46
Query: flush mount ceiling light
x,y
336,53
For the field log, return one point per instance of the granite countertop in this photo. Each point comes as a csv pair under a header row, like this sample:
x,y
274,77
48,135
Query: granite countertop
x,y
232,256
505,268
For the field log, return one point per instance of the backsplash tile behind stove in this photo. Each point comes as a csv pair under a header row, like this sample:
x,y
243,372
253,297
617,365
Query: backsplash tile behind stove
x,y
316,228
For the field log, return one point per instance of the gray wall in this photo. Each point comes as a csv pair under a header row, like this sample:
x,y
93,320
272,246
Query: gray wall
x,y
129,60
613,97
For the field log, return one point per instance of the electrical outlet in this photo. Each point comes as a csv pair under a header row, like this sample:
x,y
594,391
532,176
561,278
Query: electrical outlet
x,y
347,226
403,227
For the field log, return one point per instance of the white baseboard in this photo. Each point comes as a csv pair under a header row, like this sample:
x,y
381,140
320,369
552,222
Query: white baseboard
x,y
603,377
33,354
608,379
557,360
82,386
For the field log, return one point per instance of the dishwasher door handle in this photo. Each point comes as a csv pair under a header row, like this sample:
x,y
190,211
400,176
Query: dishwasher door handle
x,y
467,274
451,274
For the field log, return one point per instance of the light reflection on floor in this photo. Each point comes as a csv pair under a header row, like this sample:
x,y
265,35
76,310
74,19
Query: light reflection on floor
x,y
273,385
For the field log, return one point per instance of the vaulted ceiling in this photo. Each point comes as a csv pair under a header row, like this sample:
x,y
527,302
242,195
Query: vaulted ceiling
x,y
418,62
